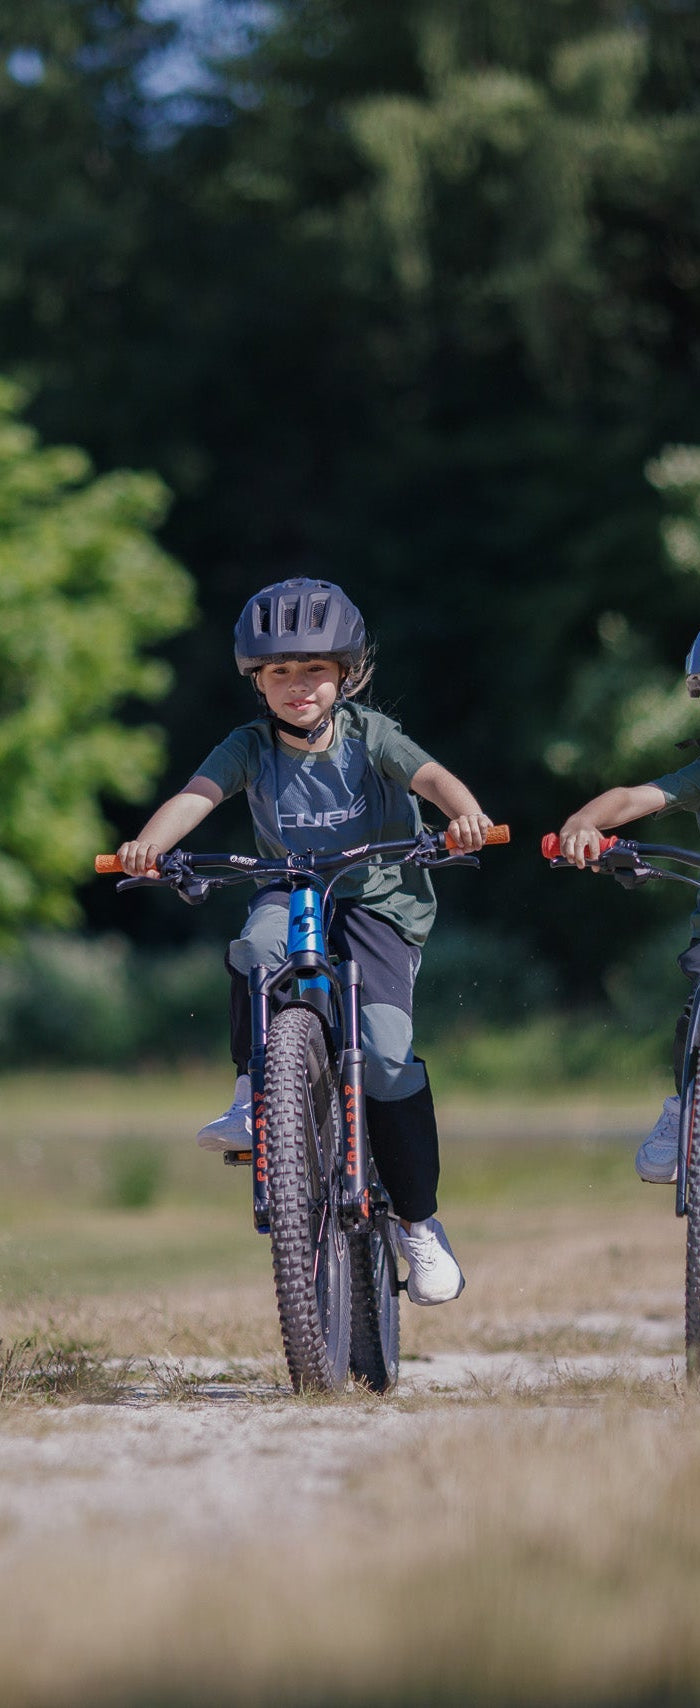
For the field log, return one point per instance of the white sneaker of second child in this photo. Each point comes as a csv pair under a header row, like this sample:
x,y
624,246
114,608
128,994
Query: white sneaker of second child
x,y
434,1273
657,1157
235,1126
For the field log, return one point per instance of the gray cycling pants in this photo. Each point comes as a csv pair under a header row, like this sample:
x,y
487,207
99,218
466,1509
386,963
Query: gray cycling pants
x,y
389,967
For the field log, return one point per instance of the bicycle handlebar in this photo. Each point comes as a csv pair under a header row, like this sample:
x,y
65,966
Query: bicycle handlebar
x,y
629,862
109,865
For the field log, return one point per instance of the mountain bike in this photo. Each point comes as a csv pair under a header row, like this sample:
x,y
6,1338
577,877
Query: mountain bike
x,y
316,1191
632,864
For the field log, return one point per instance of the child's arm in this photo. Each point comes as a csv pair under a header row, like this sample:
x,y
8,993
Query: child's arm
x,y
580,835
468,824
170,823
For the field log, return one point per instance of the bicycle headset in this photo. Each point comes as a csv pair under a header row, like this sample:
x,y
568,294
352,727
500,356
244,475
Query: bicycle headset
x,y
299,618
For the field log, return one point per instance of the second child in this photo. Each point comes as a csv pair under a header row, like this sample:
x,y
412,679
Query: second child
x,y
579,838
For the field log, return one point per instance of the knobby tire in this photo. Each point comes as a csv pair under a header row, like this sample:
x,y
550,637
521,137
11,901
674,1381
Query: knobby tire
x,y
310,1254
692,1266
374,1347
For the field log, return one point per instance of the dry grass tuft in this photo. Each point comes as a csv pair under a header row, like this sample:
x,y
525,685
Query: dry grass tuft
x,y
57,1372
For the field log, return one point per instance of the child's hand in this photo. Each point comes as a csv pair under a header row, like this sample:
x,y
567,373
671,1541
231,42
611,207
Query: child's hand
x,y
469,831
138,857
579,841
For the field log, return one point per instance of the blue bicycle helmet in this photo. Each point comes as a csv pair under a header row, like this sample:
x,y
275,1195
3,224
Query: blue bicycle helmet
x,y
297,617
692,670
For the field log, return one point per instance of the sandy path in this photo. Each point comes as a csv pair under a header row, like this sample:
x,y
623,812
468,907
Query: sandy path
x,y
212,1469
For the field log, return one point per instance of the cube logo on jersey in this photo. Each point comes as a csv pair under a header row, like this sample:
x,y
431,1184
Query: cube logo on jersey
x,y
323,820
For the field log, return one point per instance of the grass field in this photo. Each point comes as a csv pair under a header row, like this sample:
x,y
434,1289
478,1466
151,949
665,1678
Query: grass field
x,y
488,1542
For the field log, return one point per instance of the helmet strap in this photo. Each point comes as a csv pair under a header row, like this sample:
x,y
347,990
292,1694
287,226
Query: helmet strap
x,y
310,735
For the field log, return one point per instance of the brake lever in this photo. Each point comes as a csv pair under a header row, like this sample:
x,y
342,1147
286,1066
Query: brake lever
x,y
460,860
431,858
138,883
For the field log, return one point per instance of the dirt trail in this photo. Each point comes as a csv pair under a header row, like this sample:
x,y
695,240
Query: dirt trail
x,y
214,1467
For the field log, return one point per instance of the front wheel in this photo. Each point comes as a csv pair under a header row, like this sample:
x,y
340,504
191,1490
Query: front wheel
x,y
374,1351
692,1265
310,1255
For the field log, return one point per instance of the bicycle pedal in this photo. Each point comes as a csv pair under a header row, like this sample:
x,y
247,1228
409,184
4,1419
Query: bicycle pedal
x,y
238,1158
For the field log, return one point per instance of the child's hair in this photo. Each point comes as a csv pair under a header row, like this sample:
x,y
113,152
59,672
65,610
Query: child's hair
x,y
360,674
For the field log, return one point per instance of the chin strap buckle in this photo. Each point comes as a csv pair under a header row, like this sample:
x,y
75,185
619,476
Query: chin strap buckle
x,y
311,735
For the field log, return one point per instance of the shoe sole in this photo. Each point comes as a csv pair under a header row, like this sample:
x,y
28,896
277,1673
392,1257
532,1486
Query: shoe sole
x,y
221,1144
659,1179
447,1300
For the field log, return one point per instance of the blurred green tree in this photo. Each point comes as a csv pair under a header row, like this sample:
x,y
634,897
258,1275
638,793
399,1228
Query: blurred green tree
x,y
626,708
84,589
408,288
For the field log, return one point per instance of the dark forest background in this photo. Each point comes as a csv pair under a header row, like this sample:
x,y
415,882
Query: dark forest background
x,y
406,291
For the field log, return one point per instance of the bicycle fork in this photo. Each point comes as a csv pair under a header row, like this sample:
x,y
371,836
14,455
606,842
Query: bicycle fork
x,y
354,1198
687,1136
306,960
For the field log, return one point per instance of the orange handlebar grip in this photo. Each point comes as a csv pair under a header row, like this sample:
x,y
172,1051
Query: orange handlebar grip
x,y
551,847
497,833
110,864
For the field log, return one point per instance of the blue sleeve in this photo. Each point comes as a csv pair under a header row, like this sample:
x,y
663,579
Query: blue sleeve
x,y
680,788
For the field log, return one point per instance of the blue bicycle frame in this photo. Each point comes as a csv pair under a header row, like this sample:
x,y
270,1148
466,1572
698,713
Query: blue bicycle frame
x,y
307,977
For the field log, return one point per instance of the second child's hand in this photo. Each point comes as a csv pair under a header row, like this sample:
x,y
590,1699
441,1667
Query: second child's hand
x,y
580,835
580,843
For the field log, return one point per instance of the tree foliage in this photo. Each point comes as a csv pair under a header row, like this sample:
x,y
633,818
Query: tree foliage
x,y
84,589
409,289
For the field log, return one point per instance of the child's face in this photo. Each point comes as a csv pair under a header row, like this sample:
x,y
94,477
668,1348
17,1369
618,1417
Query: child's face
x,y
301,691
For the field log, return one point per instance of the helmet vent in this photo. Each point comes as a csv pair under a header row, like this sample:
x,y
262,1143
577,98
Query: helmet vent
x,y
318,613
264,619
289,619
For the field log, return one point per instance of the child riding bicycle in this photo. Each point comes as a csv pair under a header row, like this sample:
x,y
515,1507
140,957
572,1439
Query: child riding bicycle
x,y
323,772
579,838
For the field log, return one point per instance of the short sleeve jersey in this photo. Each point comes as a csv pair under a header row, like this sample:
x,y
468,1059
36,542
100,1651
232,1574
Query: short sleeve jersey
x,y
681,790
357,791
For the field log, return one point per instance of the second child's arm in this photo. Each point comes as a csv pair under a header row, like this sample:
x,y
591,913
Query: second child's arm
x,y
170,824
579,837
468,823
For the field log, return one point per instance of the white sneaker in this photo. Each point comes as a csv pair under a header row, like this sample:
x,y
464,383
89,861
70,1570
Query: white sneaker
x,y
235,1126
657,1158
434,1273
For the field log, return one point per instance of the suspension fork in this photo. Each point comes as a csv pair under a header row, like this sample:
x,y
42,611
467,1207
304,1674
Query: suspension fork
x,y
355,1187
689,1095
260,1026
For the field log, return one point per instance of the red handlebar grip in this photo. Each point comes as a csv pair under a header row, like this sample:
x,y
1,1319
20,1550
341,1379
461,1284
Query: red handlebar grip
x,y
497,833
551,847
